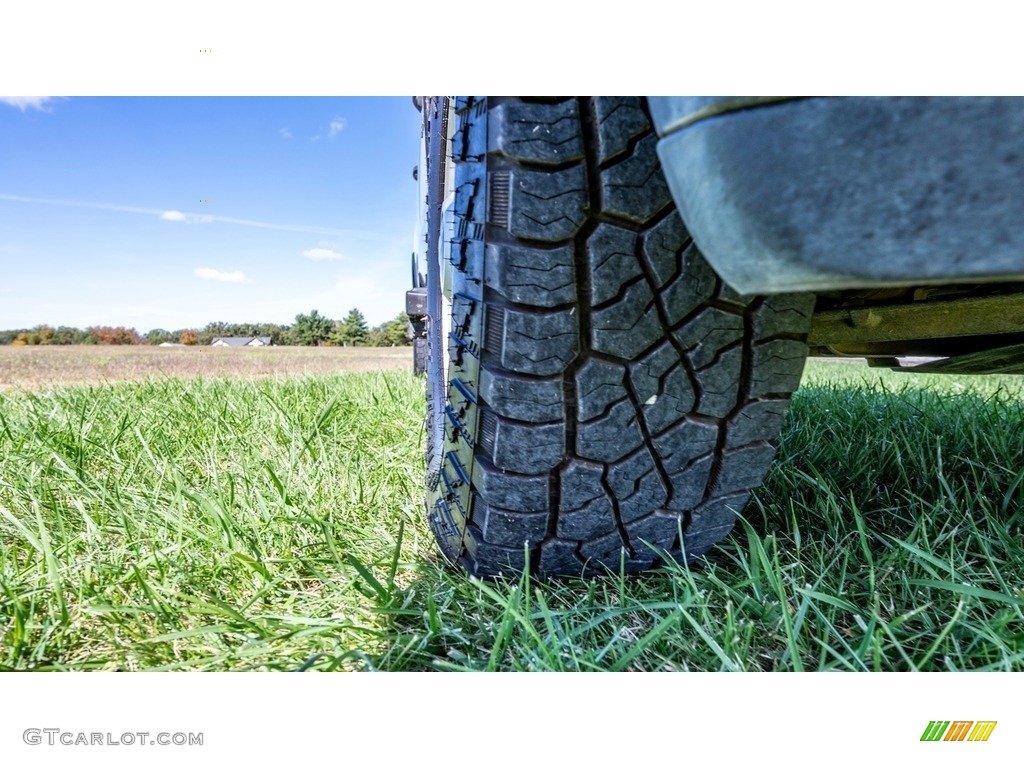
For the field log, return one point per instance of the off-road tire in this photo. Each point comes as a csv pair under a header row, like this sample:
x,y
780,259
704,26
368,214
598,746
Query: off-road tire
x,y
610,402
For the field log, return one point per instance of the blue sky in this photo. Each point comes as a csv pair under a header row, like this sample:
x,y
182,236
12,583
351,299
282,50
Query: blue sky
x,y
172,212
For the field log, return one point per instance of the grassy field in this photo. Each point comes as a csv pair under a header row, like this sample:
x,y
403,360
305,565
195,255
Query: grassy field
x,y
276,524
39,367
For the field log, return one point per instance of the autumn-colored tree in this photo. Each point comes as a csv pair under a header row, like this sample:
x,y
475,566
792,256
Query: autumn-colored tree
x,y
104,334
189,337
41,334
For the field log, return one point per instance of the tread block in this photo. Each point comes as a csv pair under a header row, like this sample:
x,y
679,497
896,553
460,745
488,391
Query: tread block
x,y
761,420
609,554
536,343
629,326
559,557
690,484
469,140
744,468
729,294
598,385
695,285
637,485
686,453
635,188
538,277
549,206
611,436
585,512
534,400
546,134
711,522
720,384
710,331
595,518
516,493
785,313
510,529
468,208
655,533
663,388
685,442
611,259
486,559
465,257
523,448
777,366
620,119
663,248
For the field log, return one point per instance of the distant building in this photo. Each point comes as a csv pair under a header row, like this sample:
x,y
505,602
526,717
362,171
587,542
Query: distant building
x,y
241,341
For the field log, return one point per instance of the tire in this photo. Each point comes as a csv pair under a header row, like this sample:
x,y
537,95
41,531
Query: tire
x,y
419,356
610,402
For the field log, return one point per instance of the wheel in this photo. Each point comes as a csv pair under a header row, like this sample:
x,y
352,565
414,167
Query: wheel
x,y
605,401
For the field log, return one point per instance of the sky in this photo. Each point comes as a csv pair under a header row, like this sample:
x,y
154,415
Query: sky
x,y
173,212
176,211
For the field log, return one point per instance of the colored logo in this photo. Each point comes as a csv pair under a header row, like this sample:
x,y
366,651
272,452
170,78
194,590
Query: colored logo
x,y
958,730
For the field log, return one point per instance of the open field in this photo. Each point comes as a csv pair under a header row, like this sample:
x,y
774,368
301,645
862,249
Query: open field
x,y
34,368
276,524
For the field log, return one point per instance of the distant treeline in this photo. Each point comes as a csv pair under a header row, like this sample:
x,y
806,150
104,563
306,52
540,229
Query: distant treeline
x,y
313,329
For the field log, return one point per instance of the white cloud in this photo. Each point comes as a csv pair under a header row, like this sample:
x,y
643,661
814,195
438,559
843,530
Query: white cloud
x,y
26,102
205,273
322,254
336,127
285,133
191,218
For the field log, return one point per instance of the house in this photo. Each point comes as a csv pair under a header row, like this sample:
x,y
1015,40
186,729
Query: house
x,y
241,341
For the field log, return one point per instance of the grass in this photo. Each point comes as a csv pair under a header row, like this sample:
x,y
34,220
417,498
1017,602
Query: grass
x,y
276,524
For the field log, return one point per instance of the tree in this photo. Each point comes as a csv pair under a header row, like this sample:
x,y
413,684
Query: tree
x,y
392,333
353,330
65,334
189,337
312,329
160,336
212,331
104,334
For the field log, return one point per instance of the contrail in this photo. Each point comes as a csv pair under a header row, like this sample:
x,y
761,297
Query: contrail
x,y
201,218
80,204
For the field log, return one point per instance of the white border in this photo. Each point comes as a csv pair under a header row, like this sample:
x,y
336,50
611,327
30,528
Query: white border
x,y
312,47
516,720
